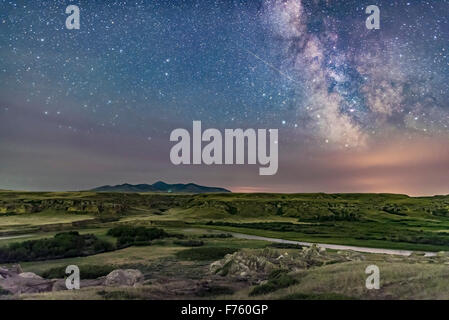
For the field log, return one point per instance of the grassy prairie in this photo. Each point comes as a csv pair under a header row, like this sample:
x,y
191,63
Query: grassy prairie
x,y
41,218
127,256
399,280
170,269
373,220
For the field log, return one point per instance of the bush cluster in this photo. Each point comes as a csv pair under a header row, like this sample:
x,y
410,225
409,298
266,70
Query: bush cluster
x,y
86,272
205,253
216,235
62,245
189,243
128,235
278,279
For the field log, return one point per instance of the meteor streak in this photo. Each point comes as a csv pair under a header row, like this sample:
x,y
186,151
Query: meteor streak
x,y
269,65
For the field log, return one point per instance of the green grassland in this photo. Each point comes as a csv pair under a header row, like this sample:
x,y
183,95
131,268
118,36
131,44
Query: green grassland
x,y
370,220
373,220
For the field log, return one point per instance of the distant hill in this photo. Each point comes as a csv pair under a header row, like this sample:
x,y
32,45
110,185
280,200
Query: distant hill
x,y
160,187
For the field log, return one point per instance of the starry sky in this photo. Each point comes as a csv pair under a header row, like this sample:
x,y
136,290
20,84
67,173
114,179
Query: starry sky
x,y
357,110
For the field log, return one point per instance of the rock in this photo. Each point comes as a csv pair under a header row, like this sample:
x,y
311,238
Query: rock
x,y
246,263
443,254
5,273
128,277
59,285
29,275
256,263
94,282
16,281
18,285
16,268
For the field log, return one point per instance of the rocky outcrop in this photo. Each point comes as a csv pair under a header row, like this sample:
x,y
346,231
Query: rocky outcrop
x,y
29,275
95,207
127,277
15,281
258,263
243,263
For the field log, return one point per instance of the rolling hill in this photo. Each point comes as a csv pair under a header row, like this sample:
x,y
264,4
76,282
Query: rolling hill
x,y
160,186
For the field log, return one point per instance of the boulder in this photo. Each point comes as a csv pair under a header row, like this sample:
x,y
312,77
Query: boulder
x,y
16,268
443,254
127,277
18,285
15,281
93,282
59,285
245,263
29,275
6,273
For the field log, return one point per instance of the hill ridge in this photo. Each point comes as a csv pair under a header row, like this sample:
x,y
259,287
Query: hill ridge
x,y
160,186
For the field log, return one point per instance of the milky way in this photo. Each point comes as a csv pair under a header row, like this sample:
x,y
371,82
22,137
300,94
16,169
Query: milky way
x,y
80,108
356,81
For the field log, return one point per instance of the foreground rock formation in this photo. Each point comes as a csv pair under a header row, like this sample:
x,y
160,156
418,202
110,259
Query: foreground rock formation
x,y
250,264
15,281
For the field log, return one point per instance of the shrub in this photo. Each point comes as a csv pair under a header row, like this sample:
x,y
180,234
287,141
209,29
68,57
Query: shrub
x,y
285,246
216,235
393,209
128,235
189,243
440,212
116,295
4,292
215,290
62,245
203,254
278,279
86,271
317,296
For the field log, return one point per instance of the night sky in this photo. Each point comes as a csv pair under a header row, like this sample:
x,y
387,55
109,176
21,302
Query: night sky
x,y
357,110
